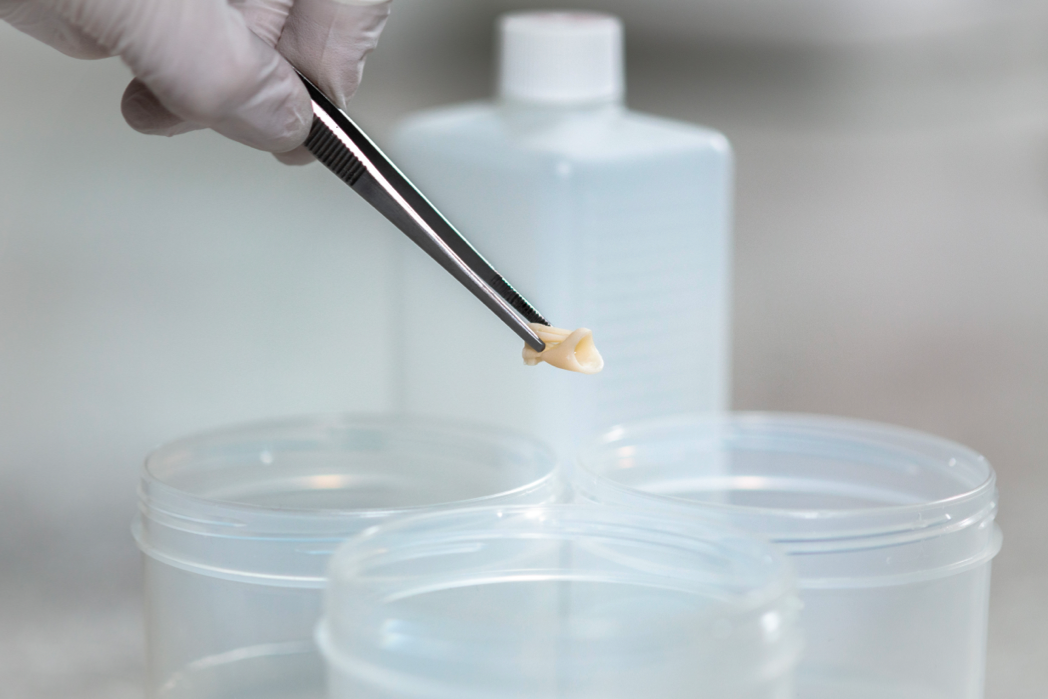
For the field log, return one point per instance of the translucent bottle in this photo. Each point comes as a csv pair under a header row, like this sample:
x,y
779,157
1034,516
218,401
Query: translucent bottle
x,y
601,217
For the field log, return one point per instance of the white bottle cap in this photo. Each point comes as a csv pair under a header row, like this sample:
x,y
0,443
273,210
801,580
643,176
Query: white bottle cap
x,y
561,57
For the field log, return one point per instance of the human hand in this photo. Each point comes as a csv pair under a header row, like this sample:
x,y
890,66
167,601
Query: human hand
x,y
219,64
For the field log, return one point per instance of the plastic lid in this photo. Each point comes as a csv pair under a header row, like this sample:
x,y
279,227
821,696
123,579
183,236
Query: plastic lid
x,y
561,57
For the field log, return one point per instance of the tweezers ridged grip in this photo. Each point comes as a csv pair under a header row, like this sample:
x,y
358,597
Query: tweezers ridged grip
x,y
503,288
325,146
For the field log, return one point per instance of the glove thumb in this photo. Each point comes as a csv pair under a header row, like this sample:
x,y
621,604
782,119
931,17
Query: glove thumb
x,y
329,40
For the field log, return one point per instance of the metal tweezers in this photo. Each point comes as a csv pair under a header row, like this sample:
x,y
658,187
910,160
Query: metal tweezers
x,y
347,151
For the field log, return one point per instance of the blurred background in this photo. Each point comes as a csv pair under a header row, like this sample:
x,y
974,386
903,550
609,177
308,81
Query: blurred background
x,y
891,264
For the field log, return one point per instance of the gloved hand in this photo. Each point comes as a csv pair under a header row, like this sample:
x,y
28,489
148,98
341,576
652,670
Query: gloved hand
x,y
220,64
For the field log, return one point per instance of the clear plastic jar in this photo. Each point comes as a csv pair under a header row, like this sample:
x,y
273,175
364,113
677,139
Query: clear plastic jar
x,y
892,532
566,601
237,527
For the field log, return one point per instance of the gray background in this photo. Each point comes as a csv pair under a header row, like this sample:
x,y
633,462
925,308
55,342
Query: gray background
x,y
891,263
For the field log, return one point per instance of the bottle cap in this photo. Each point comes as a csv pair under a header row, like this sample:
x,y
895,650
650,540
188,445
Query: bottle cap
x,y
561,57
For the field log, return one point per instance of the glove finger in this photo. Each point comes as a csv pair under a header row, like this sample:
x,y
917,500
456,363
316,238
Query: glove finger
x,y
144,113
45,24
297,156
329,40
204,65
264,17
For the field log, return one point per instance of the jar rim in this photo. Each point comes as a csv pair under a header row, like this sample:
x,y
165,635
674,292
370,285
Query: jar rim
x,y
860,521
433,531
724,577
154,487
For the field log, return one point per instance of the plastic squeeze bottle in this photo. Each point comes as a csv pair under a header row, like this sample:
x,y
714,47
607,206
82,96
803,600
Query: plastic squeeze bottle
x,y
604,218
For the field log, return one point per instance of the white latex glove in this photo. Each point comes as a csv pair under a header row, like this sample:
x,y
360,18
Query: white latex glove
x,y
220,64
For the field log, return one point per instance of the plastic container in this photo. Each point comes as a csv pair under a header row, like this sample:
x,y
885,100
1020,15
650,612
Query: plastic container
x,y
892,533
601,216
237,527
565,601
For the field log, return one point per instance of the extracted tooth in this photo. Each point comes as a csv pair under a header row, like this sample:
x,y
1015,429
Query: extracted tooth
x,y
565,349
